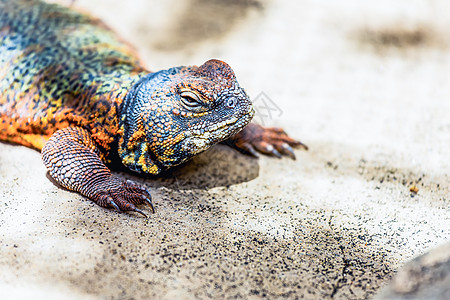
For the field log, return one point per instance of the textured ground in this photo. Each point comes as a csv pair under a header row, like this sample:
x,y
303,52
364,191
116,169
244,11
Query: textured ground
x,y
366,86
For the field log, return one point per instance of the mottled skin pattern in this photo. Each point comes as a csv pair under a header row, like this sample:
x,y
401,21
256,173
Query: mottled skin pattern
x,y
71,88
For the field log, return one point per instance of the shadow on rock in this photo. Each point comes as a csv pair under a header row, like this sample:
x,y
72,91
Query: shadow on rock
x,y
220,166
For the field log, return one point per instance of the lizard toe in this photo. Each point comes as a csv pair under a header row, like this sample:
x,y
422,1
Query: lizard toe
x,y
267,148
105,200
125,205
138,194
249,149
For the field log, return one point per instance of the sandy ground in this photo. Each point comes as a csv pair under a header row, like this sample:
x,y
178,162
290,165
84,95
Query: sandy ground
x,y
364,85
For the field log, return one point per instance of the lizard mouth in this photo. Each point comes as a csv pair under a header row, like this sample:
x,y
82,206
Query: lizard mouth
x,y
199,140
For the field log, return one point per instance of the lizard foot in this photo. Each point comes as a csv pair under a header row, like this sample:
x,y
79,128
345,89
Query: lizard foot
x,y
123,195
270,141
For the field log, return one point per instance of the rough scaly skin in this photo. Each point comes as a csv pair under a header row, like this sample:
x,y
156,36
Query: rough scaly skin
x,y
71,88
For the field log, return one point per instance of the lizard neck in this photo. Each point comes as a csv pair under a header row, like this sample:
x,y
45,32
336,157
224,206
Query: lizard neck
x,y
106,99
132,147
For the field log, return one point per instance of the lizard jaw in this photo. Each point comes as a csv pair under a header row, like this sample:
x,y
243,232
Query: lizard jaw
x,y
198,141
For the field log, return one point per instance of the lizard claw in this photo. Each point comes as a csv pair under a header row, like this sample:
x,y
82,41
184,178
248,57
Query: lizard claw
x,y
107,201
249,149
286,149
149,202
141,212
112,203
267,148
299,144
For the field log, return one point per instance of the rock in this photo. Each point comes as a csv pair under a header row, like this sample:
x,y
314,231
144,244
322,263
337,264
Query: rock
x,y
425,277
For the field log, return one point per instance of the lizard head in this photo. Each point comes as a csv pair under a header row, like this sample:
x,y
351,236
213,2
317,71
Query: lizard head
x,y
171,115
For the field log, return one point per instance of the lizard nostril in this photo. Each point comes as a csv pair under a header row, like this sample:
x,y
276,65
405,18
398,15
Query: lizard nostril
x,y
231,102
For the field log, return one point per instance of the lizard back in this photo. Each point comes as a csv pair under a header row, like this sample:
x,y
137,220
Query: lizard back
x,y
60,68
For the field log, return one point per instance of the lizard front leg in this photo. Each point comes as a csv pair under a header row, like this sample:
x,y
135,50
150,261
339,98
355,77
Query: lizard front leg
x,y
271,141
73,161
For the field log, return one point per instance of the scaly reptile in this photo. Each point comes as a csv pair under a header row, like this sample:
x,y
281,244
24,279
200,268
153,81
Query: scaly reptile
x,y
70,88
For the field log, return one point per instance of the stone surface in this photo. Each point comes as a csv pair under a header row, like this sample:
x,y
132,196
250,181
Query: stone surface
x,y
363,84
425,277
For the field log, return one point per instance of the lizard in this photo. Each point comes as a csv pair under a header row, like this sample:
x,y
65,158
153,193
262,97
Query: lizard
x,y
70,88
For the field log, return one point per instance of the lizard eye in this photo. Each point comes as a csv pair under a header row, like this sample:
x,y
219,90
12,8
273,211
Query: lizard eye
x,y
190,100
231,102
